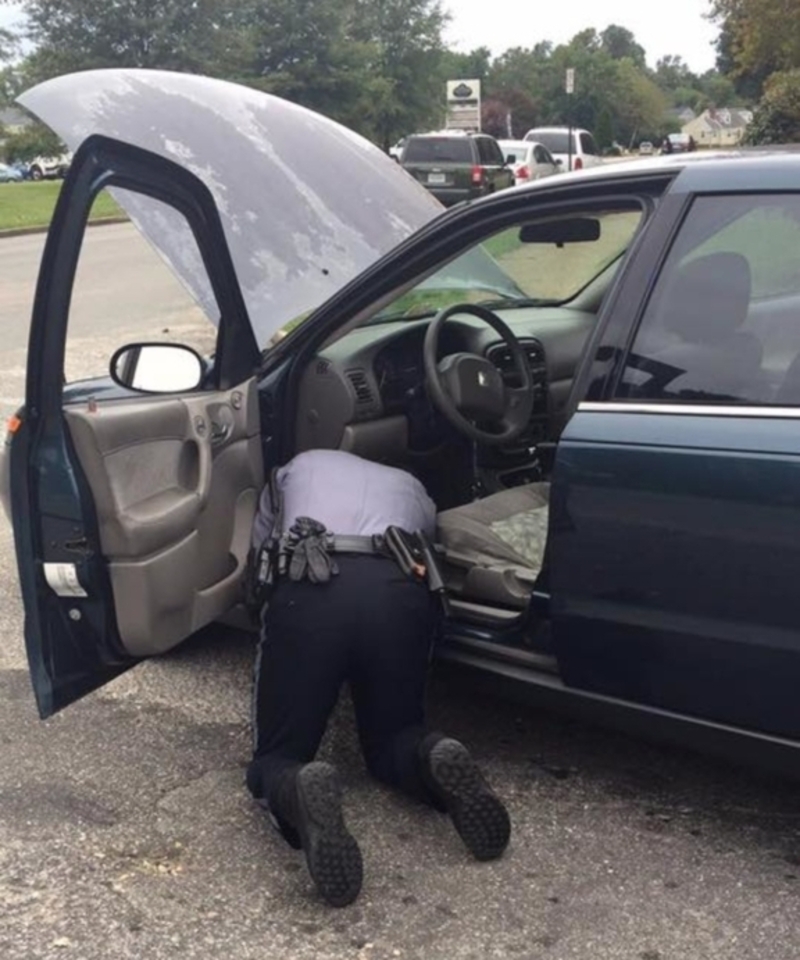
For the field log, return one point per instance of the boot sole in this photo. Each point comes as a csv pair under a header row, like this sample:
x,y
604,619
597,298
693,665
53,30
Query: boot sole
x,y
333,856
478,814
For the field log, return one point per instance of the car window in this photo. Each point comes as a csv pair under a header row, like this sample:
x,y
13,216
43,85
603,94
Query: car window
x,y
438,150
723,323
555,141
519,151
505,268
587,144
486,151
125,293
539,155
495,153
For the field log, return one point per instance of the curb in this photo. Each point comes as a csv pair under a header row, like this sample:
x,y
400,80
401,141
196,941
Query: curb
x,y
29,231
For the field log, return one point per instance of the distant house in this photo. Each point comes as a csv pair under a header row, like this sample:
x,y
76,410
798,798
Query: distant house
x,y
718,127
682,115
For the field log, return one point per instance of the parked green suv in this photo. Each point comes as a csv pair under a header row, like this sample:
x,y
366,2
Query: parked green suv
x,y
457,166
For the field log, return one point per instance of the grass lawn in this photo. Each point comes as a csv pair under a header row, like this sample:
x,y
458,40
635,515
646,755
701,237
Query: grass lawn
x,y
31,204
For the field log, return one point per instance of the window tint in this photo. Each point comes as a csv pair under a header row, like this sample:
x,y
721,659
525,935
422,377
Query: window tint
x,y
723,323
495,153
588,144
556,142
506,268
438,150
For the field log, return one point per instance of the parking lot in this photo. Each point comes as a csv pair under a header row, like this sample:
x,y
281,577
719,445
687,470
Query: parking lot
x,y
125,829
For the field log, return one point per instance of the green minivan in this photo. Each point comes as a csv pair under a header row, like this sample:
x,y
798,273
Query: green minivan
x,y
457,166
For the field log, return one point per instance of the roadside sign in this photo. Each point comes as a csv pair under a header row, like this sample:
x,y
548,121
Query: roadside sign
x,y
570,84
463,105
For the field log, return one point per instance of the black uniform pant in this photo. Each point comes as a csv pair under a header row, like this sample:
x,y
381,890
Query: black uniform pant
x,y
370,626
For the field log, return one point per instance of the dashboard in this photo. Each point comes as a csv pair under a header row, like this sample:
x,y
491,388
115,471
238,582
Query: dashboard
x,y
366,392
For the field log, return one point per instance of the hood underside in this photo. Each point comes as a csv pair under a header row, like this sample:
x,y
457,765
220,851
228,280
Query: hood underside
x,y
306,204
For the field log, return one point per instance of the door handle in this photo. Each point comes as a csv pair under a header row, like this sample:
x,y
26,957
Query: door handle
x,y
219,432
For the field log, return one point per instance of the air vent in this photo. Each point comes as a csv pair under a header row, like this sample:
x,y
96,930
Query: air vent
x,y
358,378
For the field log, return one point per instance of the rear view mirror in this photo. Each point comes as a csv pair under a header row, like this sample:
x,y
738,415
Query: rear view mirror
x,y
574,230
157,368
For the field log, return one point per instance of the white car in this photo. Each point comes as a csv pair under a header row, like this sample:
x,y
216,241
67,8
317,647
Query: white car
x,y
528,160
49,168
584,152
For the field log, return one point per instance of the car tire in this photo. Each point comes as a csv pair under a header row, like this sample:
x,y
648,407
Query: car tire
x,y
36,173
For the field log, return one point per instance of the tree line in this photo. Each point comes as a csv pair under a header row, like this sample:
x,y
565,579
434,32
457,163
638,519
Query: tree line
x,y
759,50
377,66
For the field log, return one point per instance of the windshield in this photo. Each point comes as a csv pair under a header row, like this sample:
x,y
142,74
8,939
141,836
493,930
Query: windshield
x,y
438,150
517,273
555,142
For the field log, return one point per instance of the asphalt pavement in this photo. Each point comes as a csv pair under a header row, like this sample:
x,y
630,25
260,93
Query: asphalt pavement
x,y
126,832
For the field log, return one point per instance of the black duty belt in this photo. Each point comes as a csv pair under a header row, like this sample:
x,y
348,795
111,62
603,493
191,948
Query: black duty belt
x,y
304,553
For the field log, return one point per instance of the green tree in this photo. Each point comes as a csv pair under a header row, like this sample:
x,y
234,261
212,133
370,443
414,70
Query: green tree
x,y
302,50
71,35
776,119
474,65
620,44
758,35
604,131
32,141
404,91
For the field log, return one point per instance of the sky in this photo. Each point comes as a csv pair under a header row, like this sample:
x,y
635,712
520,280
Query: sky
x,y
675,27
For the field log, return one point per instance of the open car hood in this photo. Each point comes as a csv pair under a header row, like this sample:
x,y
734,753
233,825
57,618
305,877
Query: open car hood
x,y
306,203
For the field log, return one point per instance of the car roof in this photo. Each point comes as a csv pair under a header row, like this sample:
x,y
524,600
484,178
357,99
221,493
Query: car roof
x,y
563,129
738,170
439,134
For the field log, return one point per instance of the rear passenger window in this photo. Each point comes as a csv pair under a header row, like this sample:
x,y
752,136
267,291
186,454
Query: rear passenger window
x,y
723,323
484,150
588,144
438,150
495,153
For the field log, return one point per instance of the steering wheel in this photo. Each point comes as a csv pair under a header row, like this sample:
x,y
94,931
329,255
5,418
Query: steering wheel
x,y
469,390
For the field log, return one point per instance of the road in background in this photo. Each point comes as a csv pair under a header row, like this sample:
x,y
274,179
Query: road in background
x,y
126,832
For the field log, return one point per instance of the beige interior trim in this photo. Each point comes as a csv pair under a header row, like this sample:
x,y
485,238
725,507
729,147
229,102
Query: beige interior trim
x,y
176,482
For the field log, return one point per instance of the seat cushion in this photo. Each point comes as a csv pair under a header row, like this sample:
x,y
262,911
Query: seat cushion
x,y
506,529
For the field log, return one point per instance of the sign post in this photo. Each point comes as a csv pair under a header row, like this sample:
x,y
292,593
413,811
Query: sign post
x,y
569,86
463,105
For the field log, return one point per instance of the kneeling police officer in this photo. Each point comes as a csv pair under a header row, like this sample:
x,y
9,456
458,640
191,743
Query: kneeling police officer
x,y
342,572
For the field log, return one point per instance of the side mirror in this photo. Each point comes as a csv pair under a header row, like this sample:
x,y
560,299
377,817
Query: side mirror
x,y
511,158
558,161
157,368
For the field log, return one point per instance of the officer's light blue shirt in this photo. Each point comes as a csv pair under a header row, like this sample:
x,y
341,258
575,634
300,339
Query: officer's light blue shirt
x,y
349,495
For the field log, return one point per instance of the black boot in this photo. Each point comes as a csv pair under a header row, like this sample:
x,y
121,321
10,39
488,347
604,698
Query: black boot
x,y
453,777
309,800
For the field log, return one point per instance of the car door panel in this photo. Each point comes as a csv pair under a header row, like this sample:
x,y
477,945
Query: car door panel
x,y
175,482
131,512
670,527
